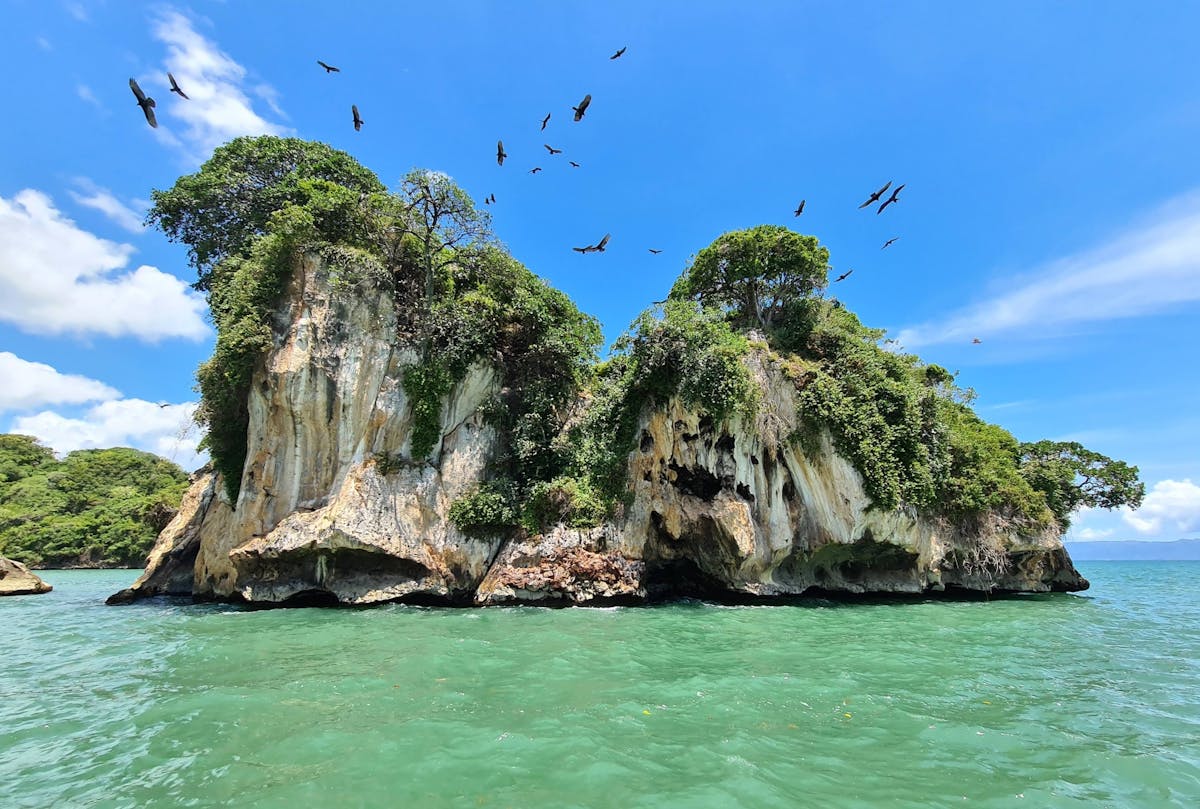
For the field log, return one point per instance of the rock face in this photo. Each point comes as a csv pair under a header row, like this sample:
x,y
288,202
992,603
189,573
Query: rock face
x,y
333,509
16,580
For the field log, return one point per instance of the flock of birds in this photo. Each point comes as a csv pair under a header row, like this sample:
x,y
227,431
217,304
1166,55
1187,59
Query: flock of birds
x,y
147,104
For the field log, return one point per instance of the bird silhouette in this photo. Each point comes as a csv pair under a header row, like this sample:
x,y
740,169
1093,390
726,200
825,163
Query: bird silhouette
x,y
655,252
545,121
175,87
895,197
145,102
843,276
617,55
875,197
358,121
551,149
800,208
976,341
164,404
888,243
493,199
329,68
573,163
535,169
594,248
500,153
487,200
582,108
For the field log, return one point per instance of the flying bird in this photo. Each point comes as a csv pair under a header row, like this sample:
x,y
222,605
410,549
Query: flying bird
x,y
800,209
535,169
843,276
545,121
582,108
976,341
500,153
655,252
617,55
551,149
594,248
573,163
358,121
487,200
164,404
175,87
329,68
888,243
895,197
875,197
145,102
493,199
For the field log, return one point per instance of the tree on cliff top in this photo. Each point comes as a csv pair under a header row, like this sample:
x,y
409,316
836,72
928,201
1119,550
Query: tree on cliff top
x,y
1072,476
755,274
218,210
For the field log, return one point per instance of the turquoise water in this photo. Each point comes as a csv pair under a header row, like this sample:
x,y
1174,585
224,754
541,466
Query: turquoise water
x,y
1047,701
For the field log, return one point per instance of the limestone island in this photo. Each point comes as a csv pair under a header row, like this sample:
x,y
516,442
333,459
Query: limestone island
x,y
398,410
17,580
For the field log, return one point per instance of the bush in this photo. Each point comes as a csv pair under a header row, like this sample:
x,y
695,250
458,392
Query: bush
x,y
566,500
492,509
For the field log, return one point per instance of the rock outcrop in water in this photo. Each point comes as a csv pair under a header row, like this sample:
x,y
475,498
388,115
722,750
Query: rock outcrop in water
x,y
16,580
334,509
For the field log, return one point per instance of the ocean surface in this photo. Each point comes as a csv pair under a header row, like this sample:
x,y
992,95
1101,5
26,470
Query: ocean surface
x,y
1088,700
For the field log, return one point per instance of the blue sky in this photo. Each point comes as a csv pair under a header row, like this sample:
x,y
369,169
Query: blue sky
x,y
1051,208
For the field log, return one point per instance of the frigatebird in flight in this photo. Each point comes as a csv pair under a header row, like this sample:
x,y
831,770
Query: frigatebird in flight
x,y
573,163
551,149
358,121
175,87
888,243
655,252
145,102
329,68
800,209
875,197
895,197
582,108
500,153
545,121
843,276
617,55
535,169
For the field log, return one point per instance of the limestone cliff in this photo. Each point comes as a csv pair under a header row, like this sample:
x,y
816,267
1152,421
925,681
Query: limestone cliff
x,y
334,509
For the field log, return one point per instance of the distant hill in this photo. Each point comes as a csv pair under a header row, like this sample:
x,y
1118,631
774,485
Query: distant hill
x,y
1135,551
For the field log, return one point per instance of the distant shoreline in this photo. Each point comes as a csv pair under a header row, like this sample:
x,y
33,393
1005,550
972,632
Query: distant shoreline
x,y
1129,550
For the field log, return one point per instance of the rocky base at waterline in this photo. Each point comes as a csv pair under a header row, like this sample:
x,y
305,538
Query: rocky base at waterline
x,y
16,580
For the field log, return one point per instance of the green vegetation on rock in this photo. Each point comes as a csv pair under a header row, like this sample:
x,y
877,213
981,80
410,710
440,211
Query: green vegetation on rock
x,y
94,508
568,424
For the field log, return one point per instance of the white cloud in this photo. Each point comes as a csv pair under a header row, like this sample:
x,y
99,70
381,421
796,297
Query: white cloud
x,y
1152,267
85,92
34,384
44,44
1172,505
1093,533
103,200
56,278
77,10
167,431
219,107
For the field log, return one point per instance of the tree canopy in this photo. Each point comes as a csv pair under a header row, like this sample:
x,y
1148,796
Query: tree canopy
x,y
1072,476
755,274
218,210
95,507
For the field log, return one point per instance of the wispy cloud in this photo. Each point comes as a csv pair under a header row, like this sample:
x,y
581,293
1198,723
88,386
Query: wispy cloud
x,y
1171,505
220,107
103,200
44,44
77,10
35,384
56,278
1150,268
85,92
